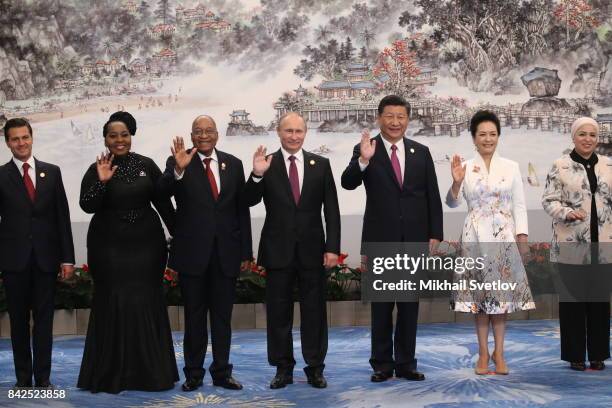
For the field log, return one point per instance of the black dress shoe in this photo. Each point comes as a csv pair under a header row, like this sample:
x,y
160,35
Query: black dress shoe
x,y
317,380
44,384
281,381
380,376
578,365
597,365
229,383
192,384
412,375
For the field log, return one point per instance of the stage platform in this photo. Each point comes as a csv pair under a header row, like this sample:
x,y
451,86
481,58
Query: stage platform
x,y
446,353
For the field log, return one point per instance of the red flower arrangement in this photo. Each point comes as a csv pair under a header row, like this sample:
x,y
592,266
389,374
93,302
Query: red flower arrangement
x,y
257,269
170,277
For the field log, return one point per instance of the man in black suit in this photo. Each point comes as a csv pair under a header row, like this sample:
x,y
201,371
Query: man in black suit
x,y
35,243
211,245
295,185
403,205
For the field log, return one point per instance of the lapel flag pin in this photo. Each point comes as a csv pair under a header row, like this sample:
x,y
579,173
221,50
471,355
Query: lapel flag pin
x,y
312,162
222,166
42,175
411,150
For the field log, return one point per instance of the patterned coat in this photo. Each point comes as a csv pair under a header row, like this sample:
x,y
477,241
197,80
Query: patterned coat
x,y
567,188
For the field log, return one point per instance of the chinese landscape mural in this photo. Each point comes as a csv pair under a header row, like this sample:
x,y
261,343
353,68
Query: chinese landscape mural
x,y
539,64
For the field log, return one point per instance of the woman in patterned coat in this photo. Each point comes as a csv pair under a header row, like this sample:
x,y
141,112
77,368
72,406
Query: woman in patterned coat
x,y
578,198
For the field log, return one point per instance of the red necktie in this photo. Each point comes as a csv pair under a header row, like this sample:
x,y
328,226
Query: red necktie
x,y
396,166
29,185
294,180
211,178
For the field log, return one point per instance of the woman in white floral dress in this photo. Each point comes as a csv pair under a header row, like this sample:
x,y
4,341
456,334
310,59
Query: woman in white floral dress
x,y
496,221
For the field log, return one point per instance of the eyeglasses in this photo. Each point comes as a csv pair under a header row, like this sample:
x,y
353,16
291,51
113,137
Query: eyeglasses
x,y
200,132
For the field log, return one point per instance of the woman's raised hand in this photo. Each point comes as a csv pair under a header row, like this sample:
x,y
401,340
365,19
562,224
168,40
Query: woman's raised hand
x,y
457,169
104,166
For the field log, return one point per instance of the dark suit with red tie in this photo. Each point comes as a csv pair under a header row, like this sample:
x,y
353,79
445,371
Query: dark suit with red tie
x,y
293,242
411,212
212,236
35,239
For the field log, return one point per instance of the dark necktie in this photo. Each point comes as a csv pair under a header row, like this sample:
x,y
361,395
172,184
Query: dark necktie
x,y
29,185
211,178
396,166
294,180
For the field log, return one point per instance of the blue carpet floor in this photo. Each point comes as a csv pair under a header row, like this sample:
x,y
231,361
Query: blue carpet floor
x,y
446,353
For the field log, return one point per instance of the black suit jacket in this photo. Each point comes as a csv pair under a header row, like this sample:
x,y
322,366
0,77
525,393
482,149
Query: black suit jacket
x,y
200,219
41,228
288,224
412,213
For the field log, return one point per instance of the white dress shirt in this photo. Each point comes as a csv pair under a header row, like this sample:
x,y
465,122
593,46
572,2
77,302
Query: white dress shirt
x,y
31,170
400,152
214,166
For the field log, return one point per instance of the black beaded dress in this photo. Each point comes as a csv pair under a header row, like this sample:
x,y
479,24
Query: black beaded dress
x,y
129,343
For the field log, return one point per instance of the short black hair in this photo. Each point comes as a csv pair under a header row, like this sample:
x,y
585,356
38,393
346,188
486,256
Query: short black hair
x,y
16,123
121,116
483,116
393,100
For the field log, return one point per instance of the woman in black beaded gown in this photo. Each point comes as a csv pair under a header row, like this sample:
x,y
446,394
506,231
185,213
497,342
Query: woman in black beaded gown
x,y
129,343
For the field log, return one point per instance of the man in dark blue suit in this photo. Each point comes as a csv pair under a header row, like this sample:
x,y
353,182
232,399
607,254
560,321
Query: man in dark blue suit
x,y
403,205
211,245
35,243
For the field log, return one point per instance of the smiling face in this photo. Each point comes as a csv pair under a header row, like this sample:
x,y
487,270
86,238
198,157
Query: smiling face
x,y
118,139
393,122
486,138
19,141
292,132
204,134
585,140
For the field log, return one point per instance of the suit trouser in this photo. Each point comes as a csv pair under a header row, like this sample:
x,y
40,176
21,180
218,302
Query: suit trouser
x,y
313,317
383,342
31,289
212,292
585,327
